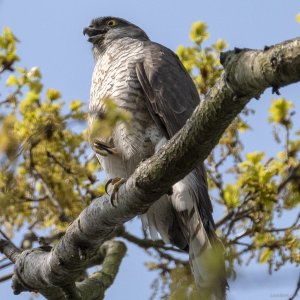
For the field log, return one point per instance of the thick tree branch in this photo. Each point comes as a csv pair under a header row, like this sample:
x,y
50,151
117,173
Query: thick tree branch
x,y
95,286
110,254
9,250
247,74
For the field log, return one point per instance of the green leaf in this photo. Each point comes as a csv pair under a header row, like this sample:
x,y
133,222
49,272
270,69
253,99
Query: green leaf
x,y
12,80
265,255
75,105
279,110
53,94
220,45
199,32
231,195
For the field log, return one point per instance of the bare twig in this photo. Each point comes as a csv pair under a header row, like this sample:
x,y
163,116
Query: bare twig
x,y
6,277
292,176
145,243
8,264
296,290
226,218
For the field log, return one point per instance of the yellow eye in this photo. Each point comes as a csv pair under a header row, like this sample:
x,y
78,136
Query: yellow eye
x,y
111,23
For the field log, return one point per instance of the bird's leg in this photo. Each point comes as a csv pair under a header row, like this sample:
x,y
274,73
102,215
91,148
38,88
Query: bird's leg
x,y
103,148
116,182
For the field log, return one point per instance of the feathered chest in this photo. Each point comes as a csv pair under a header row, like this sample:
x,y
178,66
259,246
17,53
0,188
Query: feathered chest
x,y
115,78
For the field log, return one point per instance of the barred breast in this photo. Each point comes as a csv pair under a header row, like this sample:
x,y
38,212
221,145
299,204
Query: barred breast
x,y
115,77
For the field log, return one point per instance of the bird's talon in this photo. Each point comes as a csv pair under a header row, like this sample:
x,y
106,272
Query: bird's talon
x,y
116,182
112,201
107,185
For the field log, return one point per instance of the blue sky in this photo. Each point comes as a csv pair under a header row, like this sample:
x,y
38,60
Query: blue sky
x,y
51,38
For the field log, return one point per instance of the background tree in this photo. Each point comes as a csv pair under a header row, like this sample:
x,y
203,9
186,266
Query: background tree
x,y
37,131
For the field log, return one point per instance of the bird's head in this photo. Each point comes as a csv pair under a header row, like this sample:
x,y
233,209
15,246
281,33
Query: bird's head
x,y
105,30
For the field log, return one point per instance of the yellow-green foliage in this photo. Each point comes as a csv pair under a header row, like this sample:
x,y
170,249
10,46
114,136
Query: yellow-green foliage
x,y
279,111
7,50
264,188
46,175
202,63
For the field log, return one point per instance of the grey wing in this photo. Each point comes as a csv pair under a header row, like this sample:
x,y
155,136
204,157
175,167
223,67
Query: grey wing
x,y
171,93
171,99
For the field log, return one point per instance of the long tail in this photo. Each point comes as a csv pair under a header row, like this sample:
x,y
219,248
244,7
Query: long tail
x,y
185,220
206,253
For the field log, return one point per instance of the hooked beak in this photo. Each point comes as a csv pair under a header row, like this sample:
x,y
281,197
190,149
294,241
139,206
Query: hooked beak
x,y
94,34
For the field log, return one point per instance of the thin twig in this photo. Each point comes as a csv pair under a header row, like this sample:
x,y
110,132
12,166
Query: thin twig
x,y
296,291
6,265
290,177
145,243
6,277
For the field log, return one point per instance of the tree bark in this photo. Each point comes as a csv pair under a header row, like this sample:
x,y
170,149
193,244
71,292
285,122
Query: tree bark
x,y
247,73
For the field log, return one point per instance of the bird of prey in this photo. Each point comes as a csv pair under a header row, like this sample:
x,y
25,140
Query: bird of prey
x,y
148,80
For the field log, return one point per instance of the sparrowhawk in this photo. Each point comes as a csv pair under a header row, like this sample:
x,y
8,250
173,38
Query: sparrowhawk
x,y
148,80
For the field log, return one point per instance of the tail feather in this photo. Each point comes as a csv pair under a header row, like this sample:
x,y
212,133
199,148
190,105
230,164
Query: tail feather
x,y
184,219
206,254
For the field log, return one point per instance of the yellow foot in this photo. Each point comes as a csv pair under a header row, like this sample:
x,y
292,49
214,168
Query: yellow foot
x,y
116,183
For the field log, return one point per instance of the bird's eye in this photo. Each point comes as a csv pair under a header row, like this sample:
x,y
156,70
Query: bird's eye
x,y
111,23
